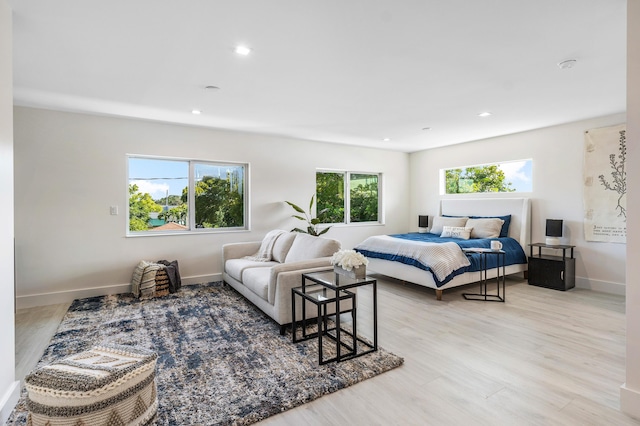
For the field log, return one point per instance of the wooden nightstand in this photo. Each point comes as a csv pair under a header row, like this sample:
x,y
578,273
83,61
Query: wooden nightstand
x,y
556,272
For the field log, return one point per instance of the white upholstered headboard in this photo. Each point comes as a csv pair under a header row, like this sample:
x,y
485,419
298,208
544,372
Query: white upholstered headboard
x,y
518,208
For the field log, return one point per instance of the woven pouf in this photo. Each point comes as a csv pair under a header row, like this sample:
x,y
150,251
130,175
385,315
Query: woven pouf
x,y
107,385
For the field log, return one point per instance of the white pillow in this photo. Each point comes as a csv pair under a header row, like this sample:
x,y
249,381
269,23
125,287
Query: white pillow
x,y
456,232
439,222
307,247
282,245
485,228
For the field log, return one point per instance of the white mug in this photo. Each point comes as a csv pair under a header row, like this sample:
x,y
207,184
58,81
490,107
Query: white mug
x,y
496,245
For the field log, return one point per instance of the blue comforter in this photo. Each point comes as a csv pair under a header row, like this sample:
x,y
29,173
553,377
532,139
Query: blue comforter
x,y
514,253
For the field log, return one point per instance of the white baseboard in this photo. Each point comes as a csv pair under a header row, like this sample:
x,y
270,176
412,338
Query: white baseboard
x,y
9,401
67,296
197,279
630,402
602,286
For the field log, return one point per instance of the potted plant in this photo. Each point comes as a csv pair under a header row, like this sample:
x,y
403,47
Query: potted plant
x,y
312,223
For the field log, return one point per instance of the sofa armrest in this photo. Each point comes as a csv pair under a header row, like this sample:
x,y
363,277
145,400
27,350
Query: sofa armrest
x,y
239,250
288,275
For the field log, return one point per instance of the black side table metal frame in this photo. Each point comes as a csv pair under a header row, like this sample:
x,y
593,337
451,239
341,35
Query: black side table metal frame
x,y
484,280
339,283
317,294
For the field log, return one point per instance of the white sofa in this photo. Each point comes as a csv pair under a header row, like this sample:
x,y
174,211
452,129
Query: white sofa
x,y
268,284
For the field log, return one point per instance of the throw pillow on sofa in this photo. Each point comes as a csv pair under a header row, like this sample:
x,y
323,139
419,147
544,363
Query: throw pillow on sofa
x,y
307,247
282,246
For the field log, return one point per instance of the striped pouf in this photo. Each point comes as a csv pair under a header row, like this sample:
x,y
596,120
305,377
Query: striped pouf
x,y
107,385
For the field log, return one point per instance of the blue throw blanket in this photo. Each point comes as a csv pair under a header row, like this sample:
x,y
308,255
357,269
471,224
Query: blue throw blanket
x,y
514,253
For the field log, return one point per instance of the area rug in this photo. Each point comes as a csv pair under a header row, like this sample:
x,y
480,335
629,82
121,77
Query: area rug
x,y
221,361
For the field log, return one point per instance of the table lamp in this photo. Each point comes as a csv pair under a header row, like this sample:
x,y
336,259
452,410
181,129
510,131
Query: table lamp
x,y
423,224
553,232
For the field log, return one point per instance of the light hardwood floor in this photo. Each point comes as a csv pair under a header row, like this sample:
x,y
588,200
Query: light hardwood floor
x,y
542,358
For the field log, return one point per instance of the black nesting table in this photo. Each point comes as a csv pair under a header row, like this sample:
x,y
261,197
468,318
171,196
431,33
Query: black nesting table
x,y
327,289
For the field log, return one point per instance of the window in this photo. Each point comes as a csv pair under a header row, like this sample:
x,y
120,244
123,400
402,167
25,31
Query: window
x,y
362,203
171,195
510,176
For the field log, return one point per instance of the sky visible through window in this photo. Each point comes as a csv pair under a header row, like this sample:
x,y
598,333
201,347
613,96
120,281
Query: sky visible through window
x,y
156,177
519,174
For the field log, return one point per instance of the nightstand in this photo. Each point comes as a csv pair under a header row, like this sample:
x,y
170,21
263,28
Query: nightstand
x,y
552,271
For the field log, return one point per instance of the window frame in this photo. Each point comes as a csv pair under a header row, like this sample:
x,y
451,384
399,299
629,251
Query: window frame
x,y
346,182
191,199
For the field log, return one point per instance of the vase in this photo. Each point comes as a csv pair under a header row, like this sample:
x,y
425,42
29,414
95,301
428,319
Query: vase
x,y
355,273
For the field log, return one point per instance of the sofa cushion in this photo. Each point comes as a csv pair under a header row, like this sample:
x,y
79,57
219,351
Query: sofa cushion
x,y
257,280
306,247
282,245
236,267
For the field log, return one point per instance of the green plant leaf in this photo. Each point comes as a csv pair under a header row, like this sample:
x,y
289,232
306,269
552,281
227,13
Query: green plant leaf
x,y
315,221
324,231
299,217
311,203
296,208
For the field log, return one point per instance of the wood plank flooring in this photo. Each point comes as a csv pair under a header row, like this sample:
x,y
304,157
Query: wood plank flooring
x,y
542,358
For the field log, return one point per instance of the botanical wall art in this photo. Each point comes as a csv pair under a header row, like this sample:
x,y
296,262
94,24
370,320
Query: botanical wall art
x,y
605,184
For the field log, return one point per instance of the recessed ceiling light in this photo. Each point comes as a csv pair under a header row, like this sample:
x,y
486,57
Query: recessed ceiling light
x,y
242,50
484,114
426,128
196,112
565,65
386,139
211,87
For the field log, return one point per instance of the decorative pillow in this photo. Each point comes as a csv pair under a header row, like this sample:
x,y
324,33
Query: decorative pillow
x,y
307,247
282,245
460,232
504,231
439,222
485,228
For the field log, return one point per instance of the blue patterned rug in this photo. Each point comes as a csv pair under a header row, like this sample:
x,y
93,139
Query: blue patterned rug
x,y
221,361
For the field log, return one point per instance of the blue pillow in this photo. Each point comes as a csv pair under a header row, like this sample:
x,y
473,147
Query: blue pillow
x,y
504,231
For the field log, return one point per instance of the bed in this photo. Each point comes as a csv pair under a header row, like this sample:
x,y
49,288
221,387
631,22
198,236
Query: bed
x,y
378,249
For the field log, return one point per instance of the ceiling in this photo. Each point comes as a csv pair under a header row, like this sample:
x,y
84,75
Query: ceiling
x,y
353,72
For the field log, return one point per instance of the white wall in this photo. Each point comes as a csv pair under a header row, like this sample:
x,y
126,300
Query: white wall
x,y
69,168
557,154
9,388
630,391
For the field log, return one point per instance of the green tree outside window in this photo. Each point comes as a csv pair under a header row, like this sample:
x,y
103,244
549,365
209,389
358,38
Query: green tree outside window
x,y
363,201
488,178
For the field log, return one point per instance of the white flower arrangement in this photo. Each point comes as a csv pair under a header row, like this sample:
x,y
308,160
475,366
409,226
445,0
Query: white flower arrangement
x,y
349,259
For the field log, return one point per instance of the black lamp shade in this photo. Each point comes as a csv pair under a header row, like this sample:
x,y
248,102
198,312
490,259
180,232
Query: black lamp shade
x,y
423,221
554,228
